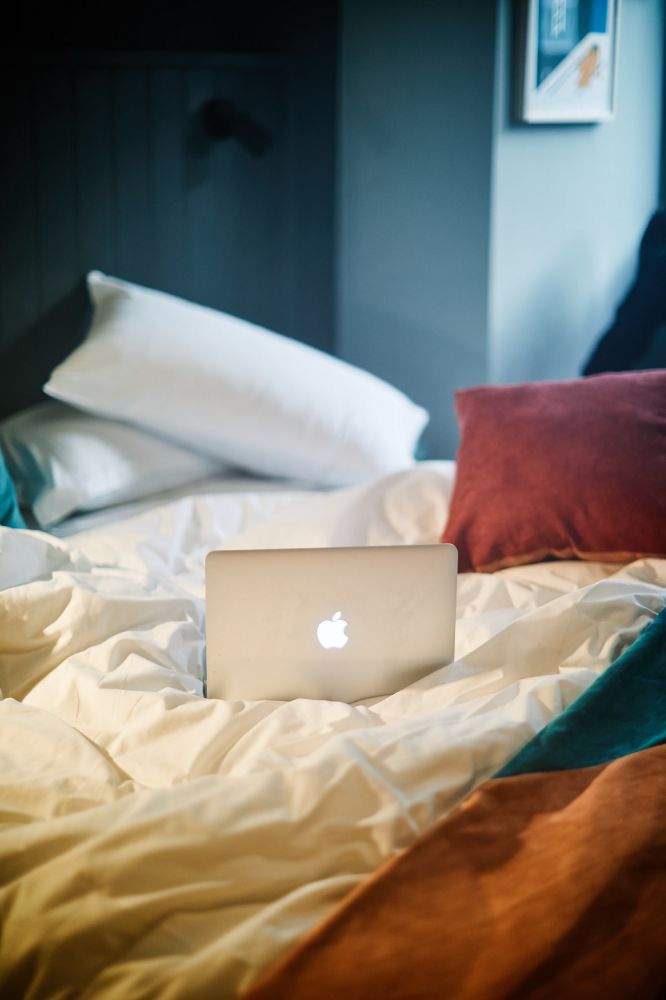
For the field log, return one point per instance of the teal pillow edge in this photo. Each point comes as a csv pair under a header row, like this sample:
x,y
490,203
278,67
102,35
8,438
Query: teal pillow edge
x,y
10,515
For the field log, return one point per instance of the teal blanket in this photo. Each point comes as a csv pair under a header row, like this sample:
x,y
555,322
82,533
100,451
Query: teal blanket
x,y
10,514
624,711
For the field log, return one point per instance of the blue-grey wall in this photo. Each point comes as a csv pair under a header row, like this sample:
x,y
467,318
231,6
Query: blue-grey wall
x,y
414,175
107,164
568,208
471,249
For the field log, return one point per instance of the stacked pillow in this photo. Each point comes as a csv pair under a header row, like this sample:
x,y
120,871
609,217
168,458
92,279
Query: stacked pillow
x,y
163,392
63,461
233,390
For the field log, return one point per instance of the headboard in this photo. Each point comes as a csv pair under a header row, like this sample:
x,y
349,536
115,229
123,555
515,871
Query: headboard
x,y
121,162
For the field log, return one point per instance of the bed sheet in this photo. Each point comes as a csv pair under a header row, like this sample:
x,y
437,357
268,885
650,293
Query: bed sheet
x,y
236,483
156,843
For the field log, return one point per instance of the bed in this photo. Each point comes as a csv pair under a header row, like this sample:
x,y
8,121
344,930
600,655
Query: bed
x,y
159,843
155,843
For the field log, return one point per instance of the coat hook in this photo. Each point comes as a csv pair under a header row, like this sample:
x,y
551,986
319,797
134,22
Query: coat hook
x,y
222,120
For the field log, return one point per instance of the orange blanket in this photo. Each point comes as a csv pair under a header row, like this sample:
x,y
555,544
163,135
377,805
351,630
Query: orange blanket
x,y
541,885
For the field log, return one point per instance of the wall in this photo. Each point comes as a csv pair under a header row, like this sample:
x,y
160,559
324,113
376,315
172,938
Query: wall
x,y
230,239
471,249
569,206
107,165
415,139
309,264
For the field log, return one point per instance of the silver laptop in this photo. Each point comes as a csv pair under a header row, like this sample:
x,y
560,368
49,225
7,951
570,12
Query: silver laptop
x,y
339,623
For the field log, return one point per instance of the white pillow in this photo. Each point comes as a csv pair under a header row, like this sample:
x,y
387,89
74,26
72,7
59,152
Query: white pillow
x,y
234,390
62,460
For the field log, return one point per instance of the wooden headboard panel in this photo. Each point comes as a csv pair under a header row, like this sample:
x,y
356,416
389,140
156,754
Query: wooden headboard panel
x,y
107,165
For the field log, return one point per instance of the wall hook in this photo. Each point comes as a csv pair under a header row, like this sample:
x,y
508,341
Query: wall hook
x,y
222,120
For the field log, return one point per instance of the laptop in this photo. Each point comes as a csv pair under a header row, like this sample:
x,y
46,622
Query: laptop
x,y
340,624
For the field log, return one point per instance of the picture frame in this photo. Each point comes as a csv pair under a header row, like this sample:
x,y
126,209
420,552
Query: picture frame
x,y
568,61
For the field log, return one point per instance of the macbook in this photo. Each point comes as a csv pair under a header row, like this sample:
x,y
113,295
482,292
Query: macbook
x,y
336,623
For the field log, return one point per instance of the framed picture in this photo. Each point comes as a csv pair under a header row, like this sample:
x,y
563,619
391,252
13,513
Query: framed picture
x,y
568,60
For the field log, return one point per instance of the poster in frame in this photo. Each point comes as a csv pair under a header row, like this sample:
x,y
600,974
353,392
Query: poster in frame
x,y
569,56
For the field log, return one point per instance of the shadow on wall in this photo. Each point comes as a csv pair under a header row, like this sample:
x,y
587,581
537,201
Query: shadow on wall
x,y
27,363
635,339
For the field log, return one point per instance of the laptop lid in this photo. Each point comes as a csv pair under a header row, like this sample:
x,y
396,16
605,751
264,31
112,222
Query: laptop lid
x,y
337,623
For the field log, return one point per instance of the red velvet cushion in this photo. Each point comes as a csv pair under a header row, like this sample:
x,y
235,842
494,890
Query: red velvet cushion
x,y
561,469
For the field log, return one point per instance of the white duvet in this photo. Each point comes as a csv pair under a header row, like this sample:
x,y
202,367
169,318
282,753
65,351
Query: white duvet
x,y
158,844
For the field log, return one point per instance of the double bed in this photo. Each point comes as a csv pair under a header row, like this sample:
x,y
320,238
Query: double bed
x,y
157,843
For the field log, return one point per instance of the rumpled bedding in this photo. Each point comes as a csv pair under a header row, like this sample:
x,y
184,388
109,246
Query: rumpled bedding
x,y
154,843
549,881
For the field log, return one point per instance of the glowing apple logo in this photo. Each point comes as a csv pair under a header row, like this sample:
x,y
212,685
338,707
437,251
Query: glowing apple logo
x,y
331,632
